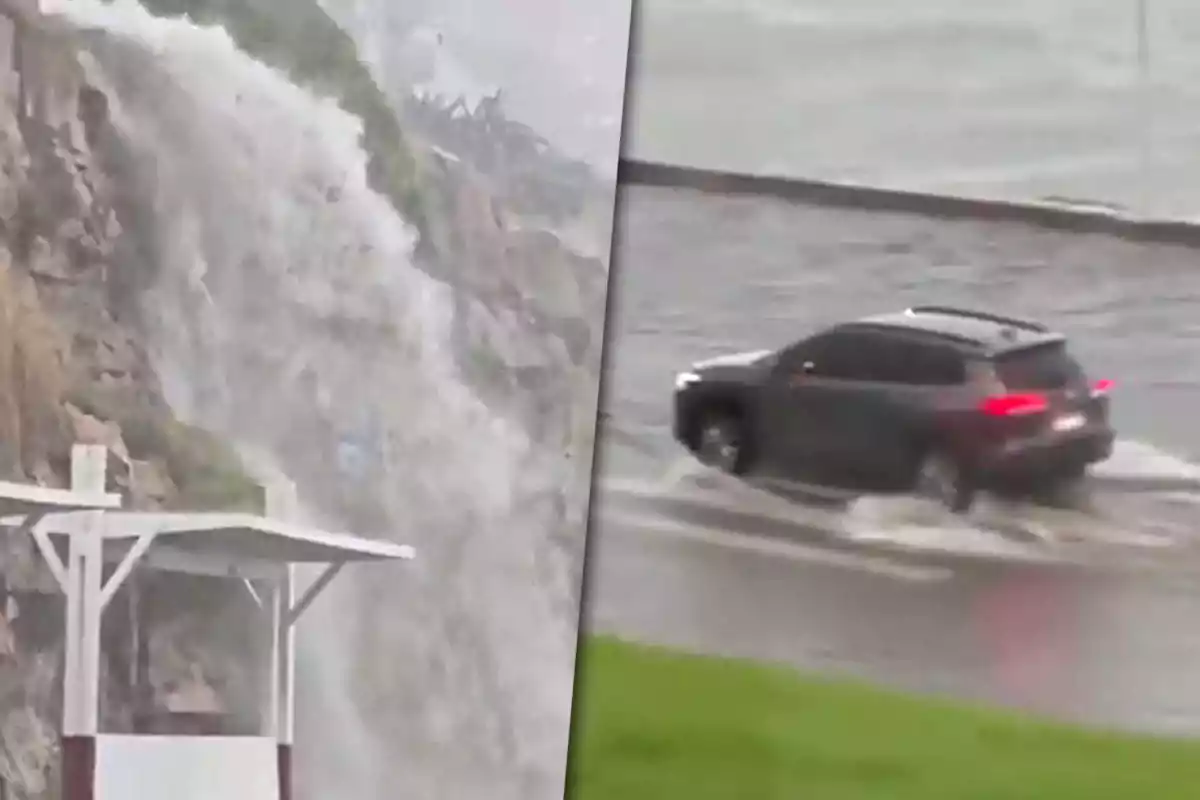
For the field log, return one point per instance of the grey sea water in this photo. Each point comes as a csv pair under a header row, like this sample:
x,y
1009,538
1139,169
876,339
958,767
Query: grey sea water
x,y
1024,99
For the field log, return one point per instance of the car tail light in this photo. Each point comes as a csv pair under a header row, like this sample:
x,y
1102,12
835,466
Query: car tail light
x,y
1014,405
1101,388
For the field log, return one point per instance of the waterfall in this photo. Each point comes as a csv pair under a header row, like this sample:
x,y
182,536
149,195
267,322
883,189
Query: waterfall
x,y
287,317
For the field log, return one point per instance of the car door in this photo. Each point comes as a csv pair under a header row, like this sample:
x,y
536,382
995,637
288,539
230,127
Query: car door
x,y
777,413
846,400
898,375
885,405
809,422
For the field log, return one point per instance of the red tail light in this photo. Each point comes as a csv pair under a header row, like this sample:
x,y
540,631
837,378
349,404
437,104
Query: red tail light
x,y
1101,387
1014,405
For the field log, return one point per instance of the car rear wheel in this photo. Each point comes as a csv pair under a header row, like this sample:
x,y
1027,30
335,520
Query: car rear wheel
x,y
940,477
720,443
1066,487
1071,474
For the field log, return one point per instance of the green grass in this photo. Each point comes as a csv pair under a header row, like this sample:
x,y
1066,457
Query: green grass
x,y
656,725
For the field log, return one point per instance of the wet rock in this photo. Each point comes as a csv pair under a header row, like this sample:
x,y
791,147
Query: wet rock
x,y
14,163
49,263
43,474
28,751
91,430
93,113
8,642
150,484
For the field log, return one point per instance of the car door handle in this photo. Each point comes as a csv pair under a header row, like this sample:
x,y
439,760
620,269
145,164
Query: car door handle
x,y
797,378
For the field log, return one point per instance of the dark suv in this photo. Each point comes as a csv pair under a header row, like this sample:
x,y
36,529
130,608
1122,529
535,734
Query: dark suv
x,y
937,400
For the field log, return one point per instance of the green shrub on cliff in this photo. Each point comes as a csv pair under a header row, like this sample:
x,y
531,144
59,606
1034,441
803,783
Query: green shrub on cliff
x,y
207,473
301,39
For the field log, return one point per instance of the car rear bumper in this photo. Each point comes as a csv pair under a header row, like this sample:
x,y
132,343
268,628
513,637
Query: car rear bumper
x,y
1042,456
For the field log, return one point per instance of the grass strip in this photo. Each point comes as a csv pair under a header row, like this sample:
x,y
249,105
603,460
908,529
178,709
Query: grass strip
x,y
652,724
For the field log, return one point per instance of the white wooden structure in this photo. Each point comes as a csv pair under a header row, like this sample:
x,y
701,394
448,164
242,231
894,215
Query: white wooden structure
x,y
78,532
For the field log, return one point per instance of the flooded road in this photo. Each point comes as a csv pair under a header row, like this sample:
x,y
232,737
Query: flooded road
x,y
1101,647
1087,611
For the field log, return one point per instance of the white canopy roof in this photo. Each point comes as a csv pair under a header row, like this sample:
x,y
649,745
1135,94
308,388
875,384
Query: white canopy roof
x,y
232,536
24,498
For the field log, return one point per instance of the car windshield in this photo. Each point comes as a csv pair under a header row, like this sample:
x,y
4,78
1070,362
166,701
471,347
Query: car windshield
x,y
1044,367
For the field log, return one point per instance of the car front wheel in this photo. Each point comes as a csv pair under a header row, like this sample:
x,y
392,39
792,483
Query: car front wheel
x,y
720,444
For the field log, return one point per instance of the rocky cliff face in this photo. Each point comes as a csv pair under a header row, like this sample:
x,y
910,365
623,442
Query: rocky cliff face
x,y
73,368
75,364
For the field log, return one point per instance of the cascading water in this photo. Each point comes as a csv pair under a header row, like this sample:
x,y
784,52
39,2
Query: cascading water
x,y
287,316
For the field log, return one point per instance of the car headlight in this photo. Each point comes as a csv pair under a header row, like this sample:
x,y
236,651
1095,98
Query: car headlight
x,y
685,379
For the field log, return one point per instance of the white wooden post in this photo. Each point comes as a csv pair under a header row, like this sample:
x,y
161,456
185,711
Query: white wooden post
x,y
72,725
282,504
286,731
273,712
89,467
81,673
91,546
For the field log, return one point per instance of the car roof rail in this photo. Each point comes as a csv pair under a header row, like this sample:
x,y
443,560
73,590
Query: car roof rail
x,y
914,334
999,319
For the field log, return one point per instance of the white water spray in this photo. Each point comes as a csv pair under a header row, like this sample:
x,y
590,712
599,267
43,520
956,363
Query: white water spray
x,y
288,315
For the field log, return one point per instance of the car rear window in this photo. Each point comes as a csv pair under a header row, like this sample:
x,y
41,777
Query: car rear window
x,y
1044,367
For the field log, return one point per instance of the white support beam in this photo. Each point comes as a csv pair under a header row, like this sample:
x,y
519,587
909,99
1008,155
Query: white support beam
x,y
310,594
249,584
124,568
28,523
41,540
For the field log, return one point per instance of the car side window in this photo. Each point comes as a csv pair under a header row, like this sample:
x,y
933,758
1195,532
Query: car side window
x,y
795,359
868,356
915,363
836,355
792,359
